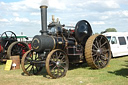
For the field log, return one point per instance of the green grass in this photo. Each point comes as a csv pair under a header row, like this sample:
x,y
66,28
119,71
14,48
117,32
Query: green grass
x,y
114,74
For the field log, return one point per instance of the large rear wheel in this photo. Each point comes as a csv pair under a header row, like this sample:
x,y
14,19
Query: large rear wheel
x,y
97,51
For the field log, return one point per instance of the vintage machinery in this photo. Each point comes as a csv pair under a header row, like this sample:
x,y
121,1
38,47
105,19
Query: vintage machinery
x,y
9,46
56,47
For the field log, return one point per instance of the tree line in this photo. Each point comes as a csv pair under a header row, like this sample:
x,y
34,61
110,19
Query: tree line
x,y
108,30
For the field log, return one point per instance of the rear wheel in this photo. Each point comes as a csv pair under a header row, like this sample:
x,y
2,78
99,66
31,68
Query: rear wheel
x,y
57,63
97,51
17,48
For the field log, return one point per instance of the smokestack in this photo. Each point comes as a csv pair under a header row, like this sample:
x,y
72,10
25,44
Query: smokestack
x,y
44,19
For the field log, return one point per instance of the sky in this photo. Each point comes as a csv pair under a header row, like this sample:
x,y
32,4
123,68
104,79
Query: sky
x,y
24,15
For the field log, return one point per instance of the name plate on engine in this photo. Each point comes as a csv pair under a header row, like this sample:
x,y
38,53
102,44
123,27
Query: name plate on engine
x,y
8,65
60,42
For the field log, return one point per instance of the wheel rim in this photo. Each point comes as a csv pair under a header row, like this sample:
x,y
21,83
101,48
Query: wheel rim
x,y
28,65
57,63
97,51
9,35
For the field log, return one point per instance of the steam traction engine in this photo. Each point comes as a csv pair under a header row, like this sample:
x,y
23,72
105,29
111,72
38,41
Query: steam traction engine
x,y
10,46
56,47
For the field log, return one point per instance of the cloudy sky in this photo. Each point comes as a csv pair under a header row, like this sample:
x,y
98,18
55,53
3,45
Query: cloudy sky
x,y
24,15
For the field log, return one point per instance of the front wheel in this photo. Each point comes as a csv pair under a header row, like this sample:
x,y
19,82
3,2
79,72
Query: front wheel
x,y
57,63
31,63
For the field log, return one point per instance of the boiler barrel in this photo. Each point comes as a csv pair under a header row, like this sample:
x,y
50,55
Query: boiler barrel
x,y
41,43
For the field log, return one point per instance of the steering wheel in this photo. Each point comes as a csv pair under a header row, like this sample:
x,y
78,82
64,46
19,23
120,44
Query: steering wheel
x,y
7,38
9,35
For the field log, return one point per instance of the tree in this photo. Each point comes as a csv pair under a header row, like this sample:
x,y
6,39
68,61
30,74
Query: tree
x,y
96,33
109,30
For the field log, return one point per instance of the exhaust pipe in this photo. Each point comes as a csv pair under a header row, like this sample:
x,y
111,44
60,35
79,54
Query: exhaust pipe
x,y
44,19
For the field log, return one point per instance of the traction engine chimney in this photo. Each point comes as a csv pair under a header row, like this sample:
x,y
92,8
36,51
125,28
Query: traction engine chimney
x,y
44,19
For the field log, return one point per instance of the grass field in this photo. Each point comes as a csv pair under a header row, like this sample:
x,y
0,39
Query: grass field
x,y
114,74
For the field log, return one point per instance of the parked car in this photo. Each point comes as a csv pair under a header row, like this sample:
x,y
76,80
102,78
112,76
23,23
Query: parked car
x,y
118,42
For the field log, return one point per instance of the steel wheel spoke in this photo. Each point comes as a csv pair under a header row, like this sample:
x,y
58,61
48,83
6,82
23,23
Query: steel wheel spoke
x,y
31,56
58,57
53,57
60,54
62,67
94,54
6,35
27,67
51,64
36,57
63,62
97,43
96,58
62,58
95,46
94,50
52,60
31,70
100,41
100,61
97,61
105,51
104,43
27,58
60,71
56,54
104,57
37,68
53,68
